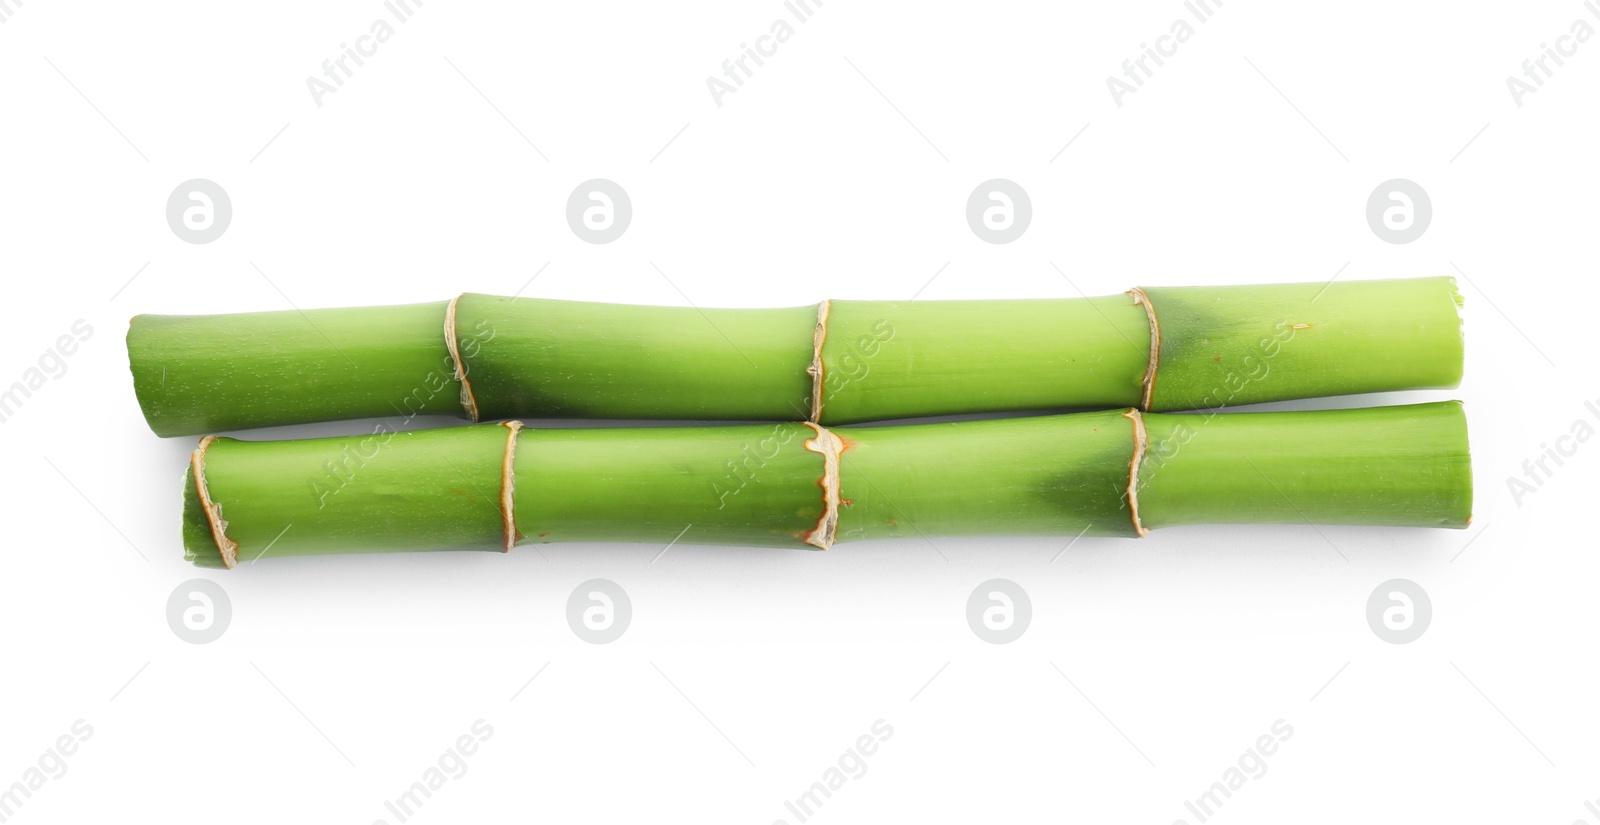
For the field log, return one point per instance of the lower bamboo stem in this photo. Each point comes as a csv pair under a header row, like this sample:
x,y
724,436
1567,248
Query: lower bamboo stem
x,y
488,487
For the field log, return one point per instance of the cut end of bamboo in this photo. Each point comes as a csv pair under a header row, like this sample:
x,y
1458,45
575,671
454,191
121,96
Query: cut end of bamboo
x,y
199,548
227,548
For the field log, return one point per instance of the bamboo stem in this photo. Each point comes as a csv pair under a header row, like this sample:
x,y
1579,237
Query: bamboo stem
x,y
487,358
487,487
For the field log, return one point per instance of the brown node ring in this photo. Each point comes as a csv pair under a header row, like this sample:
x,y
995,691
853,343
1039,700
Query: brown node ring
x,y
829,446
1149,382
508,484
1141,441
816,370
468,402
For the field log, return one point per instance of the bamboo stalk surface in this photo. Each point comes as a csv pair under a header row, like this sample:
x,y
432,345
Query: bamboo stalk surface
x,y
803,485
838,362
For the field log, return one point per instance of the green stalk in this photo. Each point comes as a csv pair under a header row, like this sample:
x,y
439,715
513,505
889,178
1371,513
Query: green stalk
x,y
802,485
864,361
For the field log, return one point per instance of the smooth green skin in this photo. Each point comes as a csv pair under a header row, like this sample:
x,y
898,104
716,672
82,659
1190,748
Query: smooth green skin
x,y
758,485
535,358
885,360
208,373
749,485
1405,466
1225,346
571,359
1052,475
386,491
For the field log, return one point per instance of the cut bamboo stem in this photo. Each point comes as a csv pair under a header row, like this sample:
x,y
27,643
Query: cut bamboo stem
x,y
488,358
1117,473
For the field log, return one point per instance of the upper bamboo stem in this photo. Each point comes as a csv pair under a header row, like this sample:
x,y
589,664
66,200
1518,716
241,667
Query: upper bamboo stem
x,y
483,357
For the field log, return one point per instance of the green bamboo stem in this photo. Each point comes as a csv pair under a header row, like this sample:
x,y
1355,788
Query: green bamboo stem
x,y
487,487
838,362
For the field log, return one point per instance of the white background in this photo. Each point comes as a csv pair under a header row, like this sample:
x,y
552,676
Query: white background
x,y
840,169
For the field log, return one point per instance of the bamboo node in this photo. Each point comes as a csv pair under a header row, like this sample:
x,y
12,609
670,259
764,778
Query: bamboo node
x,y
508,483
816,370
468,402
1141,441
829,446
228,548
1149,381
